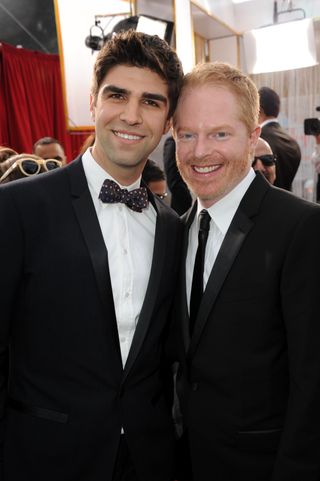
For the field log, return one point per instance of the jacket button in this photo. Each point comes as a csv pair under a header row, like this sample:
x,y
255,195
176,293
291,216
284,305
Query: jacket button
x,y
194,386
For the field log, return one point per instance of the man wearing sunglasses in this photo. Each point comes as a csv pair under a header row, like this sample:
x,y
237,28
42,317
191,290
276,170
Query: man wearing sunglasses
x,y
155,179
26,165
264,160
85,291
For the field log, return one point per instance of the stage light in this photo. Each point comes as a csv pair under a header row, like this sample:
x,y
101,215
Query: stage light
x,y
141,23
95,42
284,46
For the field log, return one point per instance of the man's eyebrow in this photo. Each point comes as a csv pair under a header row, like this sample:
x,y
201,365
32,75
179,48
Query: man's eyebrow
x,y
144,95
152,96
114,89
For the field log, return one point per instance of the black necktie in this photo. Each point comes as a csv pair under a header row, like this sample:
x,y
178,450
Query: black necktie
x,y
197,279
111,193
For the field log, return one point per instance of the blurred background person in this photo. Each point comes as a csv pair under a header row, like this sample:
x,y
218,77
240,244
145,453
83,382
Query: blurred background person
x,y
50,148
155,179
26,165
264,160
316,161
5,153
181,198
284,147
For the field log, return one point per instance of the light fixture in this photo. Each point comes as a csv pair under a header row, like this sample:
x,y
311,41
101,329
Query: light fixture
x,y
155,26
290,10
285,45
95,42
141,23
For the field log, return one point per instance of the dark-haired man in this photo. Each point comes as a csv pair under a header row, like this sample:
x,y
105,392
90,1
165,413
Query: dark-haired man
x,y
85,292
285,148
50,148
155,179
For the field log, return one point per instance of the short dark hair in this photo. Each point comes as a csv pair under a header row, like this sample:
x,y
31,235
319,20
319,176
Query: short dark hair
x,y
269,102
141,50
152,172
46,141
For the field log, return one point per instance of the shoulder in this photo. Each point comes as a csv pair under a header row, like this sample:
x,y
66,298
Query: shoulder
x,y
49,186
289,206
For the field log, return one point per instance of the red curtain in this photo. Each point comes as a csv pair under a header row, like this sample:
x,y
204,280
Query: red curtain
x,y
31,101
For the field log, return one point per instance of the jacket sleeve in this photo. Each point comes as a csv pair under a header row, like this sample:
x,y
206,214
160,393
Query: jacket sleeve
x,y
298,456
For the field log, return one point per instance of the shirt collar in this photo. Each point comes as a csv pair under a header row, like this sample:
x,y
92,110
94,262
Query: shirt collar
x,y
222,212
268,121
96,175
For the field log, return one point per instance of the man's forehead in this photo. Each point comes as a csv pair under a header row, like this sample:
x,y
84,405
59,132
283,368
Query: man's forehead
x,y
262,148
123,77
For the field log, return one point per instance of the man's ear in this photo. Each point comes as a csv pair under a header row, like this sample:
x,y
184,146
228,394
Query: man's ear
x,y
92,107
167,126
255,134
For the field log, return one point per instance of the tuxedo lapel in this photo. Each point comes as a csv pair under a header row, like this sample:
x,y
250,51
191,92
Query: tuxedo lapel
x,y
239,228
89,224
188,217
158,264
230,247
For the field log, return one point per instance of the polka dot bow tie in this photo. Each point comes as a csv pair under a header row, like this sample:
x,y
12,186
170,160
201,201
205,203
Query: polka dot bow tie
x,y
112,193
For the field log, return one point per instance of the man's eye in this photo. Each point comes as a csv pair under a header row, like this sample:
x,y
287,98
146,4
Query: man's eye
x,y
116,96
221,135
150,102
185,136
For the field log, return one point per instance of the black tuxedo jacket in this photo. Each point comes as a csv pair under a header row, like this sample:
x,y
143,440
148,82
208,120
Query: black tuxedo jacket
x,y
181,198
249,383
287,151
67,395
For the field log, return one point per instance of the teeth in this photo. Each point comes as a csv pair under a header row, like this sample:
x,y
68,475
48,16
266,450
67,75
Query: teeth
x,y
127,136
206,170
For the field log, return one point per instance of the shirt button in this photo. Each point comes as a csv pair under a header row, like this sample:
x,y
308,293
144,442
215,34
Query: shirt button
x,y
120,208
194,386
125,252
122,339
127,294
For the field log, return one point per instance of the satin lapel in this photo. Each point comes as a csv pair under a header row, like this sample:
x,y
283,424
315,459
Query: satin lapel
x,y
240,226
157,266
89,224
182,297
228,252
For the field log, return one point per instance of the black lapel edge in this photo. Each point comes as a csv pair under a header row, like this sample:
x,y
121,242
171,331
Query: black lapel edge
x,y
226,257
157,266
90,228
238,230
185,318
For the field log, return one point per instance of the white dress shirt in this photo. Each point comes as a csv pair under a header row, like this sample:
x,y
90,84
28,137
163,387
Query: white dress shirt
x,y
222,213
129,238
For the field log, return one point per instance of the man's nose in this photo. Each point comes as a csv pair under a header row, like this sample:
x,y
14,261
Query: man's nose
x,y
131,113
202,147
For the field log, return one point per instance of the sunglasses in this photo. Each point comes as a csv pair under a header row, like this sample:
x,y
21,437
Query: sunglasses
x,y
162,196
267,160
29,167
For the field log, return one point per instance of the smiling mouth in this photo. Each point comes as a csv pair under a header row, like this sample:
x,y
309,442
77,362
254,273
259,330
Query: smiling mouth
x,y
127,136
205,169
